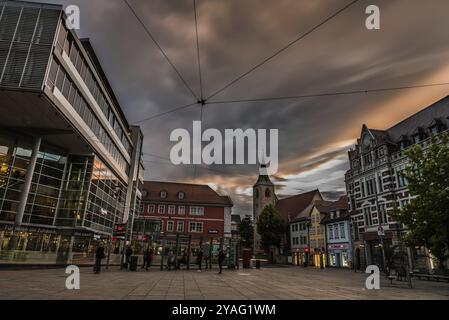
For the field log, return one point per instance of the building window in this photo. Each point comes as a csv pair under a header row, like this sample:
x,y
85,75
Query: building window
x,y
331,232
180,226
161,209
171,209
416,138
403,203
163,194
181,210
434,130
196,227
151,208
336,232
197,211
267,193
342,231
170,226
367,159
367,214
402,182
379,179
181,195
362,185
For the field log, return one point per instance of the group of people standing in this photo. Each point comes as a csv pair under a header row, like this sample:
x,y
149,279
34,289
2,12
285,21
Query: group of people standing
x,y
200,256
148,257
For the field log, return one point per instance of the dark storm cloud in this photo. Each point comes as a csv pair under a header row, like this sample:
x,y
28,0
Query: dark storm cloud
x,y
314,133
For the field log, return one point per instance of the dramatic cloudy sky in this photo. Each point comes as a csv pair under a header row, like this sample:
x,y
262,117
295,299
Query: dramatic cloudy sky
x,y
315,133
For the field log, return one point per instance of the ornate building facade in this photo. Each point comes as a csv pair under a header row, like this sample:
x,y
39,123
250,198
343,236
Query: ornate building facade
x,y
374,185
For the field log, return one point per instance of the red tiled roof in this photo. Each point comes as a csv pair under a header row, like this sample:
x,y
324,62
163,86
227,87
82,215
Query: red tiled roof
x,y
291,207
193,193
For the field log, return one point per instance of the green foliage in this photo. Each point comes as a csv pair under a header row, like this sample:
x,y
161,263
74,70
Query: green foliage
x,y
246,232
271,227
427,216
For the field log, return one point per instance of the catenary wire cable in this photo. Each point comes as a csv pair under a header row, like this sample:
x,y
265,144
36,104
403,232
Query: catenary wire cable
x,y
327,94
160,48
302,36
166,112
198,50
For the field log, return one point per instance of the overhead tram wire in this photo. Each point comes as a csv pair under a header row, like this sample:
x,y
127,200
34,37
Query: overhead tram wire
x,y
166,112
329,94
198,54
243,75
162,50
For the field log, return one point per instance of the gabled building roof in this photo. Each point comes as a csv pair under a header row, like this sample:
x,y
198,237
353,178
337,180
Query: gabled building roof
x,y
192,193
291,207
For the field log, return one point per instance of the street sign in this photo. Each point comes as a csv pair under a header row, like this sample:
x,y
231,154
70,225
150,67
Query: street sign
x,y
380,231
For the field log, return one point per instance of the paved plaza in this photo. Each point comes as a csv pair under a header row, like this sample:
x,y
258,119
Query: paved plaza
x,y
267,283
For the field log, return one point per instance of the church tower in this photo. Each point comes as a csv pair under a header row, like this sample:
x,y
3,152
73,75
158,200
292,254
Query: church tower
x,y
263,195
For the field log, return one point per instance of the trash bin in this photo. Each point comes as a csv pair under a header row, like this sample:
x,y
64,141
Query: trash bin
x,y
133,263
257,264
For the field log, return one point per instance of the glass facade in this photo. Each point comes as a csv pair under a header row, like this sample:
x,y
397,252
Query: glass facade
x,y
76,194
47,180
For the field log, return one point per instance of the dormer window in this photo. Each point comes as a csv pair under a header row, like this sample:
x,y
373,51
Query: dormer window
x,y
434,130
436,126
418,136
181,195
163,194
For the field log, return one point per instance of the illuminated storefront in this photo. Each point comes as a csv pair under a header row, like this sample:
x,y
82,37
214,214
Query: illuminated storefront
x,y
69,161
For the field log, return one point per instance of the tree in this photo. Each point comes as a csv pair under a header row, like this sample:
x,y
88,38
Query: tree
x,y
246,232
271,227
427,216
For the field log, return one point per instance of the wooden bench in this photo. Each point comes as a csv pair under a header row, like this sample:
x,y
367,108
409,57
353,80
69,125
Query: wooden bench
x,y
431,277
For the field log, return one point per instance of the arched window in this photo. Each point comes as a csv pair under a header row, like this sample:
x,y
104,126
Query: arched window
x,y
163,194
181,195
267,193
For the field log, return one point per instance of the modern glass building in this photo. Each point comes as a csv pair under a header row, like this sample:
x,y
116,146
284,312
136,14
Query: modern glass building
x,y
70,164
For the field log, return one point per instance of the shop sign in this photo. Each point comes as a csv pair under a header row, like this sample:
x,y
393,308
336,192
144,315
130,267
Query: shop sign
x,y
213,231
119,230
338,246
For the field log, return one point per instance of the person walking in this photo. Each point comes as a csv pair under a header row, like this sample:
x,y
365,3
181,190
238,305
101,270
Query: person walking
x,y
206,261
99,255
145,258
128,254
150,257
221,257
200,259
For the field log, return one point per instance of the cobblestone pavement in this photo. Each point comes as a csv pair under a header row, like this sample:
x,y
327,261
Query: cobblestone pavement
x,y
267,283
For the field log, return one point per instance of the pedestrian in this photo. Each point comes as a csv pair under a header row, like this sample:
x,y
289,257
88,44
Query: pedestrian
x,y
99,254
182,260
206,261
221,257
145,258
170,260
150,257
200,259
128,254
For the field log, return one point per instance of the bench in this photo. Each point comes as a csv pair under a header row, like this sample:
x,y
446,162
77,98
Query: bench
x,y
431,277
